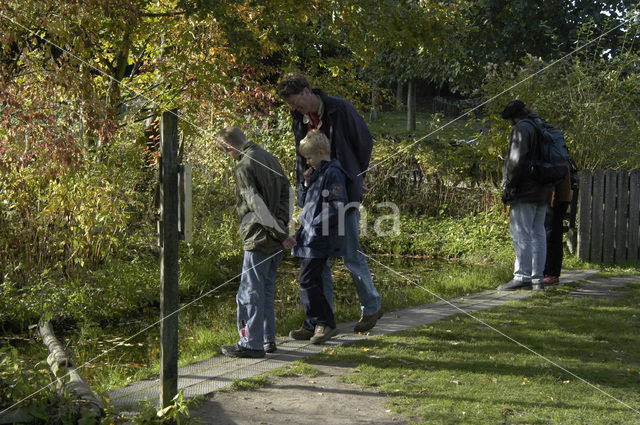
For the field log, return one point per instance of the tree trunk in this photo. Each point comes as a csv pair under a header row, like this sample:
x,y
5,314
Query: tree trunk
x,y
411,105
399,91
373,114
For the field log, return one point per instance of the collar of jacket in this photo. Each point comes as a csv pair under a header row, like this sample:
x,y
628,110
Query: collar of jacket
x,y
246,148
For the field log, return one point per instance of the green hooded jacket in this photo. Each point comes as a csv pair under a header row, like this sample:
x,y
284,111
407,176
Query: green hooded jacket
x,y
264,200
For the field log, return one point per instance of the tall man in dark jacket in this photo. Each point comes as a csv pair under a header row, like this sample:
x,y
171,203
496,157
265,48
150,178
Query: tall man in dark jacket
x,y
351,144
263,206
527,199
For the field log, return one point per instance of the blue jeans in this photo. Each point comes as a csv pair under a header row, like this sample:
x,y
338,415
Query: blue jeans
x,y
529,241
356,263
316,306
256,298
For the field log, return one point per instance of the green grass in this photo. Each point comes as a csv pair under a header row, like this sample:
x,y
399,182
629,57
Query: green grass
x,y
395,123
297,368
459,371
248,384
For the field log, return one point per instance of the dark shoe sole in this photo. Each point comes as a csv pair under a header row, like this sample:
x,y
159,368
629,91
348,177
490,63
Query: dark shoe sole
x,y
270,348
363,328
326,336
235,351
515,288
300,336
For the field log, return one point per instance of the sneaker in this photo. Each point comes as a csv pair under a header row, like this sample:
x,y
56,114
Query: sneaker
x,y
270,347
513,285
323,332
301,334
367,322
551,280
537,287
240,351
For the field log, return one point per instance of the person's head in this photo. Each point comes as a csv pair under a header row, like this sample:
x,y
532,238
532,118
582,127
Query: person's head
x,y
231,140
296,91
515,111
315,147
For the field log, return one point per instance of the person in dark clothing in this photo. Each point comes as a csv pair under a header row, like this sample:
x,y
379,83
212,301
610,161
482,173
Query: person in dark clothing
x,y
322,198
351,144
561,198
527,199
262,203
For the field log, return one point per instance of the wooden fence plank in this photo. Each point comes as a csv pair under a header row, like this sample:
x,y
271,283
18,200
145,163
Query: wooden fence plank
x,y
621,216
634,211
584,216
597,200
608,231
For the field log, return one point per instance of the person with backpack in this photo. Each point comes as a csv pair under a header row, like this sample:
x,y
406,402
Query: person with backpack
x,y
526,196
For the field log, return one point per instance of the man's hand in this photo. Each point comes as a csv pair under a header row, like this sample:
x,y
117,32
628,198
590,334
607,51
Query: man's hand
x,y
289,243
307,176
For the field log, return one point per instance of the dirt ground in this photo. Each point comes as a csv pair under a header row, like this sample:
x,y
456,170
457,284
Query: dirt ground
x,y
325,399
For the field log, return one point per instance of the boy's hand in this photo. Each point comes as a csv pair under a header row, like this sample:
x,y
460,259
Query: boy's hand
x,y
307,176
289,243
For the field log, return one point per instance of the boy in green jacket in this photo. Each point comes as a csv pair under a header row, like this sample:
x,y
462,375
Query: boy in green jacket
x,y
263,196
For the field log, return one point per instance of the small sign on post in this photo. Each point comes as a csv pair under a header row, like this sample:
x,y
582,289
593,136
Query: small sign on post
x,y
168,231
185,223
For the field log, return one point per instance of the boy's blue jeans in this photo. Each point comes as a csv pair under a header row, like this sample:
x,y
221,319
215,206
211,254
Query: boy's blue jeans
x,y
356,263
529,241
256,299
312,294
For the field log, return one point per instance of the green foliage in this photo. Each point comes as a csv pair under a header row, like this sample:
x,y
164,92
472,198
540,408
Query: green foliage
x,y
177,413
594,100
441,236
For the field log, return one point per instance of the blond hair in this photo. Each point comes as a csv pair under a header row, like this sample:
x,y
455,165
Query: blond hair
x,y
314,142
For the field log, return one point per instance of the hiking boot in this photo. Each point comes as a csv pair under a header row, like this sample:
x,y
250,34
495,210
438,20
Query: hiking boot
x,y
240,351
513,285
323,332
537,287
301,334
367,322
551,280
270,347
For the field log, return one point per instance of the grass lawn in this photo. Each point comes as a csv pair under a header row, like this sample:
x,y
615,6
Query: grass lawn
x,y
395,123
459,371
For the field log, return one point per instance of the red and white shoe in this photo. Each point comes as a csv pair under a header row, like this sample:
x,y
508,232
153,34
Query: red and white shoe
x,y
551,280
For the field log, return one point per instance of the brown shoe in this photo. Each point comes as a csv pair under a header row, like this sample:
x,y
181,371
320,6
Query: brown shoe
x,y
323,332
367,322
301,334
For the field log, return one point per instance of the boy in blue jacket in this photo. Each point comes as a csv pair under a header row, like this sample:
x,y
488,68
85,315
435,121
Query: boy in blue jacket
x,y
322,196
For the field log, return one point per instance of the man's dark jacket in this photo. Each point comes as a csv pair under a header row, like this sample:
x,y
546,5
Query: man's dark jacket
x,y
516,173
351,141
321,232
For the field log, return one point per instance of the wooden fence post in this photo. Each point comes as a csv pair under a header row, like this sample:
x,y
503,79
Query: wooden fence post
x,y
610,181
169,259
621,216
597,198
584,214
634,211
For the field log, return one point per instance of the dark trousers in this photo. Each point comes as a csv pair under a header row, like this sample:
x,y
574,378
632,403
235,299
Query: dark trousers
x,y
555,229
315,304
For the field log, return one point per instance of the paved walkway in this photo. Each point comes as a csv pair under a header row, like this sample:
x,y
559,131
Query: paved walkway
x,y
218,372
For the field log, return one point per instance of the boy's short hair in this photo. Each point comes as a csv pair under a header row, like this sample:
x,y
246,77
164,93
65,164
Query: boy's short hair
x,y
292,83
314,142
231,136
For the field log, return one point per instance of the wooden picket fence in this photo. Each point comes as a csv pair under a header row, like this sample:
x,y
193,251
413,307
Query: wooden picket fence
x,y
608,215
